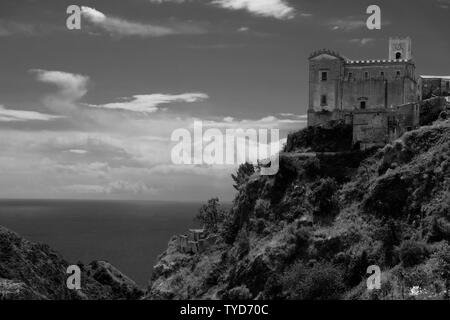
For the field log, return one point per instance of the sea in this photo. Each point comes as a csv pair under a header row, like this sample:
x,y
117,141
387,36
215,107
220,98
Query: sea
x,y
129,234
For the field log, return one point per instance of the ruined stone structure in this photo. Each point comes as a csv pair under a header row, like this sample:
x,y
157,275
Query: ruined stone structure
x,y
195,242
379,98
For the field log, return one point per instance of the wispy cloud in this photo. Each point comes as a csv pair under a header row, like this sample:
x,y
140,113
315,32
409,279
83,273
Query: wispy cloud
x,y
72,86
150,102
286,119
10,115
10,28
114,187
122,27
362,41
444,4
351,23
78,151
278,9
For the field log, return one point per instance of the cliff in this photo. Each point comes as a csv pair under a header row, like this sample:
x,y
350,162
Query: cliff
x,y
311,231
34,271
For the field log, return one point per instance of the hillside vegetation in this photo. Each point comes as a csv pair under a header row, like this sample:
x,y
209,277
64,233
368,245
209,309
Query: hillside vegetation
x,y
34,271
311,231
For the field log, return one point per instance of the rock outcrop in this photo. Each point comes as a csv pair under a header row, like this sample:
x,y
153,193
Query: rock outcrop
x,y
34,271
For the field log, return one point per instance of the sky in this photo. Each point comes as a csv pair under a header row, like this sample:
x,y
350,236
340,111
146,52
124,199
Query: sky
x,y
89,113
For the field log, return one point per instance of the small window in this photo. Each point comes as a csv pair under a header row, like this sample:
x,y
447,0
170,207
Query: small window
x,y
382,74
324,75
398,55
447,85
366,75
350,75
362,104
398,74
408,128
323,100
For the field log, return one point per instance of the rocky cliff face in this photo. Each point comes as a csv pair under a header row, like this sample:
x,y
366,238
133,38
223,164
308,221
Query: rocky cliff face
x,y
311,231
34,271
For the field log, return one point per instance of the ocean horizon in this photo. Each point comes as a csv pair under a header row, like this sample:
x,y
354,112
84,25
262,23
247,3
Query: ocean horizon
x,y
130,234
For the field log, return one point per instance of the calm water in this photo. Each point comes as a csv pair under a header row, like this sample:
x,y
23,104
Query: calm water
x,y
129,234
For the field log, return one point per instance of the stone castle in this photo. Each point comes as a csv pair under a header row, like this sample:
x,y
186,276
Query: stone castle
x,y
379,98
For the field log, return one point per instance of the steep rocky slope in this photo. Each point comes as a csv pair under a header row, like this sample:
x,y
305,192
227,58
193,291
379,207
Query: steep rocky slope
x,y
34,271
311,231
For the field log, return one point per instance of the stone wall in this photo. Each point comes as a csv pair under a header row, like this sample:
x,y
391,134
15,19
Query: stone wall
x,y
334,66
195,242
396,86
432,87
370,128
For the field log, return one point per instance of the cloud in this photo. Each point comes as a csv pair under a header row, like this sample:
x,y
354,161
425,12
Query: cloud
x,y
349,24
288,120
444,4
150,102
362,41
10,28
352,23
121,27
10,115
278,9
78,151
72,86
114,187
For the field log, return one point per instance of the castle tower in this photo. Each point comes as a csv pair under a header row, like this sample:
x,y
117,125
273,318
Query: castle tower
x,y
400,48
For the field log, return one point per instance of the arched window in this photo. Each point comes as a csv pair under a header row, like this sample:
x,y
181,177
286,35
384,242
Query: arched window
x,y
398,55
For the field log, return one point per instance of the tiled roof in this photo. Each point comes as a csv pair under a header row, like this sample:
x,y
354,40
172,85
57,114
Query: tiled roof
x,y
325,51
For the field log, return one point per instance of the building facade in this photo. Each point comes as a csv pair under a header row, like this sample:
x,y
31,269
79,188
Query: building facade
x,y
434,86
378,97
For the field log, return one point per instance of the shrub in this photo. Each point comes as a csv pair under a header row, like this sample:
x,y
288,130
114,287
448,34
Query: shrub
x,y
244,171
243,242
273,289
322,281
412,252
312,167
238,293
334,137
211,215
324,198
302,238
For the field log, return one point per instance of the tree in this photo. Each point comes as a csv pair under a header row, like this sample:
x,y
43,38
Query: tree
x,y
245,170
211,215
